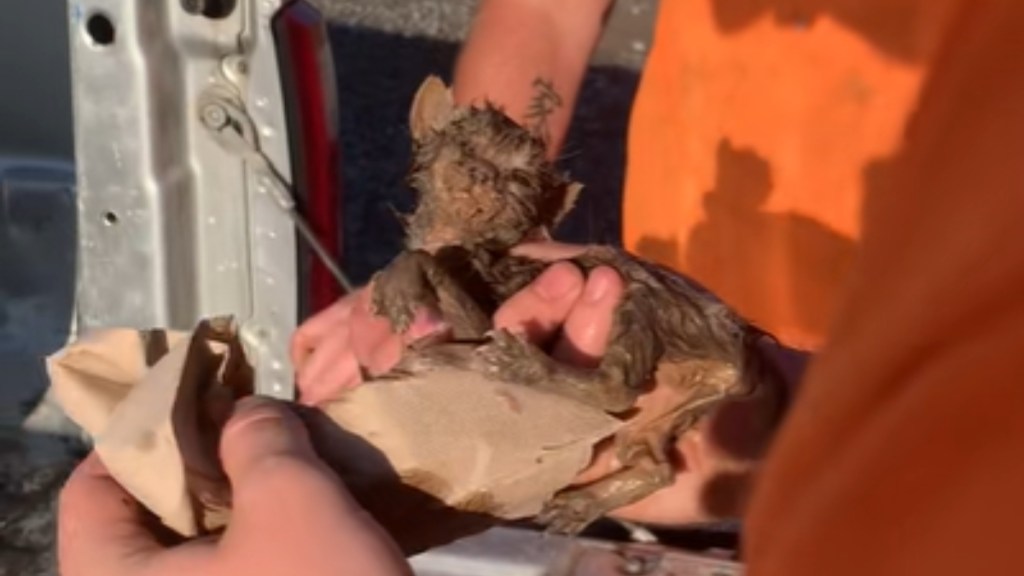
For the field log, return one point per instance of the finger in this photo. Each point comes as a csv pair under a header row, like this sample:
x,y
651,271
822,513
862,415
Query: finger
x,y
284,494
264,442
344,374
261,428
540,309
312,331
588,328
548,251
372,338
677,504
426,322
332,367
604,462
100,526
681,502
262,438
383,356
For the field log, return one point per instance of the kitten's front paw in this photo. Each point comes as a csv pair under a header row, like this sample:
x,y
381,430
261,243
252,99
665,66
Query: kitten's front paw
x,y
513,358
570,512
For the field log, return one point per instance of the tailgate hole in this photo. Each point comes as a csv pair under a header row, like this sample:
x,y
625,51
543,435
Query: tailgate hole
x,y
100,29
111,218
213,9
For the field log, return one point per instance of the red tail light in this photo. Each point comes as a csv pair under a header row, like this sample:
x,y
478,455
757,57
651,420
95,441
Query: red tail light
x,y
311,104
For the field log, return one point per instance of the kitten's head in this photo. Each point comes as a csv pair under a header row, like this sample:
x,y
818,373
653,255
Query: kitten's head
x,y
482,180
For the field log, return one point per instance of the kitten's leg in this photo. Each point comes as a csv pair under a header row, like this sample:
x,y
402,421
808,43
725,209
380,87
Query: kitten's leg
x,y
645,472
570,512
646,469
628,363
414,280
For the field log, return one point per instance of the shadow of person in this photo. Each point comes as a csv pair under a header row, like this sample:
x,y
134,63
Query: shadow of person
x,y
890,26
781,266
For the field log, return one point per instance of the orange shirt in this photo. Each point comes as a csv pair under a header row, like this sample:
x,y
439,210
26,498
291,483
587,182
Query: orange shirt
x,y
759,126
904,452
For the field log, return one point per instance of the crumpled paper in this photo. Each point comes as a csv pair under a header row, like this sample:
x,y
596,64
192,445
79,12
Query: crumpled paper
x,y
433,455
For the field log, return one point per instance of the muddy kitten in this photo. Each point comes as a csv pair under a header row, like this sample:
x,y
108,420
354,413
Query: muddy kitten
x,y
484,185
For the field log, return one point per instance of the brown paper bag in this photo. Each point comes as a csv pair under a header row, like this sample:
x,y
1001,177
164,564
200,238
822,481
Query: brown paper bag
x,y
433,455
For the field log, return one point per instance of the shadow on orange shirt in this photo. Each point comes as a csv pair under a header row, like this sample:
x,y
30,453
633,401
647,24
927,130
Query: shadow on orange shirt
x,y
772,245
903,453
754,138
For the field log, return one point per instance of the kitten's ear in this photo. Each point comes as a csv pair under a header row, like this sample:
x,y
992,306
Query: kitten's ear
x,y
432,107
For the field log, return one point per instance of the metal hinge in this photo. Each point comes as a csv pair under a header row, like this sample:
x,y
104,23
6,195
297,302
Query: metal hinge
x,y
233,129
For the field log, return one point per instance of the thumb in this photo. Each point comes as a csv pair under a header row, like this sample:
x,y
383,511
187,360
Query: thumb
x,y
286,498
275,474
270,462
261,430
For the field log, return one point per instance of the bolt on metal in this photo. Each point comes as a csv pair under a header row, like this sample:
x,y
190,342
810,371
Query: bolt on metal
x,y
234,130
214,116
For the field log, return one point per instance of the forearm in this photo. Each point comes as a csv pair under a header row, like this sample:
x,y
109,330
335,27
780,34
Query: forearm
x,y
529,56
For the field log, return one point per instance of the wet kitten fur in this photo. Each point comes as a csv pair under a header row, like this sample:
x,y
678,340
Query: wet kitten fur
x,y
484,185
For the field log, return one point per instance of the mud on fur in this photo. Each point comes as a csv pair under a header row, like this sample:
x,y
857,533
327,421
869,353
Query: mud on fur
x,y
484,185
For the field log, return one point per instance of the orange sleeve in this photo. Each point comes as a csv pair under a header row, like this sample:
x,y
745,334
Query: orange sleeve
x,y
904,453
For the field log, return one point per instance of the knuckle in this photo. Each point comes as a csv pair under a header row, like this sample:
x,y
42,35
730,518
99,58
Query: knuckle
x,y
281,474
256,413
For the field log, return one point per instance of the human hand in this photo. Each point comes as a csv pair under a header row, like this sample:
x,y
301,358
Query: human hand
x,y
291,515
331,349
715,461
571,317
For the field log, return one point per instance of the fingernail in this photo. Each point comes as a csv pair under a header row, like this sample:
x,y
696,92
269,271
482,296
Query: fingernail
x,y
598,286
556,282
261,426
